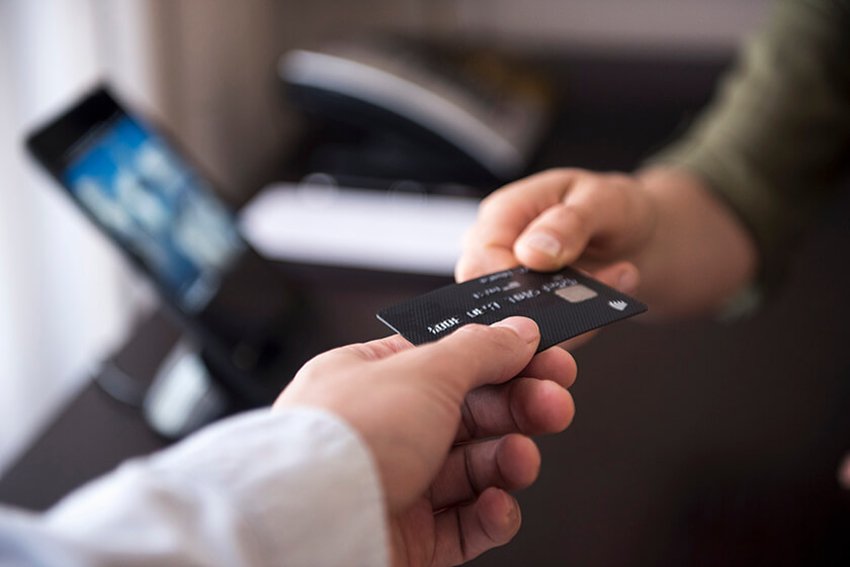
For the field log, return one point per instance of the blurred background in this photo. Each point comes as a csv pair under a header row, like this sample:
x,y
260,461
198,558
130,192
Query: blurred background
x,y
698,444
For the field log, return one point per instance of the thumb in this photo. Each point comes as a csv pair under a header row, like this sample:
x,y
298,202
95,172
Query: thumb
x,y
476,355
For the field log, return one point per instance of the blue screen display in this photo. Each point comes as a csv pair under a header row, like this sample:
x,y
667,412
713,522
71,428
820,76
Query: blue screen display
x,y
156,206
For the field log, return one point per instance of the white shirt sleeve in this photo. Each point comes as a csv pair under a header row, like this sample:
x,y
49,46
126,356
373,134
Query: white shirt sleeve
x,y
296,487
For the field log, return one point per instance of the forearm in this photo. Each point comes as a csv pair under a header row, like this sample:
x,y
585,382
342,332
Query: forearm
x,y
774,142
700,255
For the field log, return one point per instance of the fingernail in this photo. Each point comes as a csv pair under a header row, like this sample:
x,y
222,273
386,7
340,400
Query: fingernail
x,y
543,243
522,326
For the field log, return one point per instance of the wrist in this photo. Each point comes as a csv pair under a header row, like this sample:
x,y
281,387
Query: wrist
x,y
699,257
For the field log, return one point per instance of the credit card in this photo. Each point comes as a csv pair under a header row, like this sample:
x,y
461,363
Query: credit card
x,y
564,304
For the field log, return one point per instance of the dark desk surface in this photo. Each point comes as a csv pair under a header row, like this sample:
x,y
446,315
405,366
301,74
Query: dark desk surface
x,y
93,433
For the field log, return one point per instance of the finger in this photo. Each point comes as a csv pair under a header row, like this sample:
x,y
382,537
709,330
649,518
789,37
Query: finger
x,y
552,364
597,208
474,355
554,239
484,260
576,343
504,215
844,473
479,258
523,405
379,348
465,532
622,276
372,350
510,463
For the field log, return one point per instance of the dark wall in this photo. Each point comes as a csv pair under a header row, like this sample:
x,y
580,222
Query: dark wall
x,y
700,443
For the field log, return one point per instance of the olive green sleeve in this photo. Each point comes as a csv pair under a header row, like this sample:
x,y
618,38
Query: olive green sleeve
x,y
776,140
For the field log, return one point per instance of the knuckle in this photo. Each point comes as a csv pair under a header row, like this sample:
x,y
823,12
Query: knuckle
x,y
578,217
311,369
470,239
492,202
475,331
487,342
559,173
315,363
594,184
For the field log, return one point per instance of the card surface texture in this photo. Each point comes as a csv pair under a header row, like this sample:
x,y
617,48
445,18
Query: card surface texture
x,y
564,304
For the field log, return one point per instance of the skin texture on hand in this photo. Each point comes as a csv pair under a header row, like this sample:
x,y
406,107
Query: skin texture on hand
x,y
844,473
661,235
448,426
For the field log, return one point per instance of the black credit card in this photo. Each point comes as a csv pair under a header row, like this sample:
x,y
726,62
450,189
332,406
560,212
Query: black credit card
x,y
564,304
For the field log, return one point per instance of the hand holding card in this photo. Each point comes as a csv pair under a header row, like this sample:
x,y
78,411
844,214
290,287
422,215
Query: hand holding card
x,y
564,304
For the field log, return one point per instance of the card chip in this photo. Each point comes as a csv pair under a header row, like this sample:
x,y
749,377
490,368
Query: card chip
x,y
576,293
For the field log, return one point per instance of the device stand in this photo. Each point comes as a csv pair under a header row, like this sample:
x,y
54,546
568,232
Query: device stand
x,y
184,395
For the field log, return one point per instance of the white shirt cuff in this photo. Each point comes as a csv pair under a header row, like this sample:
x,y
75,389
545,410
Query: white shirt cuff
x,y
293,487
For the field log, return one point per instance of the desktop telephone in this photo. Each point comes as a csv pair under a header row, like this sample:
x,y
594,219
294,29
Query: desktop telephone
x,y
401,109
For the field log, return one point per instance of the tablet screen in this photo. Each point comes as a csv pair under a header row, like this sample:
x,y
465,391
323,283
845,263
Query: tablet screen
x,y
156,206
